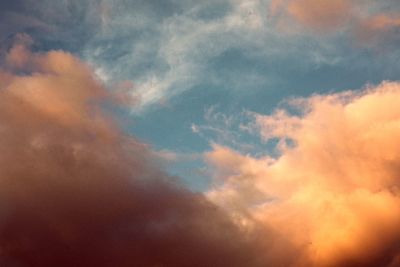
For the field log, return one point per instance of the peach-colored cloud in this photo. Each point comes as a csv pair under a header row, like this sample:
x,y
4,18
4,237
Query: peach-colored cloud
x,y
317,14
320,14
76,191
378,28
335,193
383,21
324,17
18,55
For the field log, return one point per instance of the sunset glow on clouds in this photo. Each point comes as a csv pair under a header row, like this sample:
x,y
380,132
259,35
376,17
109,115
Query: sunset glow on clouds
x,y
76,191
244,133
334,193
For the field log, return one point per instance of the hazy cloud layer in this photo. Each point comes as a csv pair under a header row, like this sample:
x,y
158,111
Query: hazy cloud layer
x,y
334,189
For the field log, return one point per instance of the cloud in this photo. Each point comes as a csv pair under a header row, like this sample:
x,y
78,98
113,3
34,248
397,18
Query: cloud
x,y
378,29
76,191
334,189
173,49
170,47
365,20
316,14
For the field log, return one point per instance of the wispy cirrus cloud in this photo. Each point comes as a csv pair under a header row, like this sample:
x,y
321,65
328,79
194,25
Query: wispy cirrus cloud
x,y
178,48
165,49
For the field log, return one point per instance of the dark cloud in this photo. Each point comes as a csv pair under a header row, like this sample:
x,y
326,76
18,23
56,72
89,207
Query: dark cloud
x,y
75,191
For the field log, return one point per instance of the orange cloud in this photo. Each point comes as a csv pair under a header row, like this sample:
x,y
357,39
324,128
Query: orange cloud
x,y
317,14
320,14
76,191
18,55
378,28
336,15
335,193
383,21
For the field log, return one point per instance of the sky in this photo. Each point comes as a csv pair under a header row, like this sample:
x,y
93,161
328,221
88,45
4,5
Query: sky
x,y
199,133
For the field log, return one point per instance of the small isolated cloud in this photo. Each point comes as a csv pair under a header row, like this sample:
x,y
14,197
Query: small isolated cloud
x,y
335,193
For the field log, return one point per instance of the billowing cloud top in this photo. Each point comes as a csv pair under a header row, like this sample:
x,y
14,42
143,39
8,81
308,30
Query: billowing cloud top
x,y
334,190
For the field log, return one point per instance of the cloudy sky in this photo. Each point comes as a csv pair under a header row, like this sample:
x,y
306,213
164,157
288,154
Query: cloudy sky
x,y
199,133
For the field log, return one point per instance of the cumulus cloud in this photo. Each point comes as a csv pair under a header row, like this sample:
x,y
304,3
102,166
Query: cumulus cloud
x,y
334,192
76,191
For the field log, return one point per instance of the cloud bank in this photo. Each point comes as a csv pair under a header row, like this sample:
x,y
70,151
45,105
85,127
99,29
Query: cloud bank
x,y
76,191
334,189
